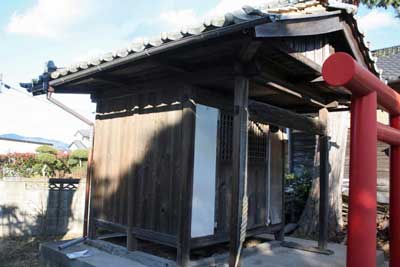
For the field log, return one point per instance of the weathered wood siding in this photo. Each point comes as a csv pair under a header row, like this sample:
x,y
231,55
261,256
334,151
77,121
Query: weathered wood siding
x,y
139,137
316,48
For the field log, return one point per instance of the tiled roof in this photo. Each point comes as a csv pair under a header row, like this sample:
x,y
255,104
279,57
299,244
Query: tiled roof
x,y
272,10
275,9
389,62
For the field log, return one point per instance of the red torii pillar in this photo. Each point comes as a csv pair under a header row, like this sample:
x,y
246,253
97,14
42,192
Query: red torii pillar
x,y
368,91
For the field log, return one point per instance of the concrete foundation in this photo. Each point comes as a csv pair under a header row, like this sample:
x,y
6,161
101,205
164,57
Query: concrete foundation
x,y
268,254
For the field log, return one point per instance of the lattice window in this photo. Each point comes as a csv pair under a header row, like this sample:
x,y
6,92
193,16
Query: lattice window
x,y
258,134
225,136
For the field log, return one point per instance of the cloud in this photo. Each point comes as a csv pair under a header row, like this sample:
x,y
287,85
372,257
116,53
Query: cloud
x,y
48,18
377,19
179,18
187,17
225,6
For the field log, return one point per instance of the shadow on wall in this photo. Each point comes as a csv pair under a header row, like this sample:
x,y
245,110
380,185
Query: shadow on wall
x,y
149,158
41,207
146,165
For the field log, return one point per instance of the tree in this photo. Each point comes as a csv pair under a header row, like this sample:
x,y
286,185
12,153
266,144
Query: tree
x,y
308,224
50,162
376,3
380,3
77,157
45,149
46,157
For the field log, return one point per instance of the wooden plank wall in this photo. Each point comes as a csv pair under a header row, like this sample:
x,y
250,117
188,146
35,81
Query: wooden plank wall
x,y
303,152
139,137
315,48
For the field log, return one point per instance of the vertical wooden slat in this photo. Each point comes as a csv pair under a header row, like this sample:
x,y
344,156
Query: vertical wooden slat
x,y
140,149
186,188
102,167
239,202
116,168
131,240
127,161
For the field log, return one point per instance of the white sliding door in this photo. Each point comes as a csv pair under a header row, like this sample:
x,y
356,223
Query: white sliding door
x,y
205,160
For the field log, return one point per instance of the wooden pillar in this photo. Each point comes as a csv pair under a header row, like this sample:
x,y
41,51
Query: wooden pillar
x,y
323,183
89,211
239,202
290,150
186,190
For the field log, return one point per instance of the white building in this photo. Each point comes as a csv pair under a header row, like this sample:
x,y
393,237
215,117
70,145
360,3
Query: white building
x,y
82,140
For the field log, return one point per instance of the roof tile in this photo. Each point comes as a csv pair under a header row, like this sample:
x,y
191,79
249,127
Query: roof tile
x,y
389,61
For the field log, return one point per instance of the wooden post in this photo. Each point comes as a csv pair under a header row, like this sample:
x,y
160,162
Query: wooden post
x,y
323,183
186,190
239,202
89,211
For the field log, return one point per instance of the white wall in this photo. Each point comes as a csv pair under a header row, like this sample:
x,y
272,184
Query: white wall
x,y
29,207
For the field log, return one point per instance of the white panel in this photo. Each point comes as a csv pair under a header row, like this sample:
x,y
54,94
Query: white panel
x,y
205,159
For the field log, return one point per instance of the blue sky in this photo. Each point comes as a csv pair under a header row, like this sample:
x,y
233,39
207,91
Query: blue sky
x,y
67,31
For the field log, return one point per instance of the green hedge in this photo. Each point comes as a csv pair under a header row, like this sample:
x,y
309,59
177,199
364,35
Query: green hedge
x,y
46,162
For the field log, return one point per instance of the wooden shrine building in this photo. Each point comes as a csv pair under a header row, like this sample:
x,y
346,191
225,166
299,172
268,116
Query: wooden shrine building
x,y
190,127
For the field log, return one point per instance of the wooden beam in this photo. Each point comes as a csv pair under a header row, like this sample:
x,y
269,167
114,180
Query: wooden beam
x,y
299,27
186,189
353,44
297,90
223,237
249,51
283,47
109,81
273,115
143,234
239,202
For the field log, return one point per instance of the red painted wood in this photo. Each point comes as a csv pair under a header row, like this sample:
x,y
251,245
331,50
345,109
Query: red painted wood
x,y
367,90
394,207
388,134
340,69
361,246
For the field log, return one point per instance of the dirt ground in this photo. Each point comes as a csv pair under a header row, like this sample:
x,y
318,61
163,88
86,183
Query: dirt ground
x,y
24,252
19,252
